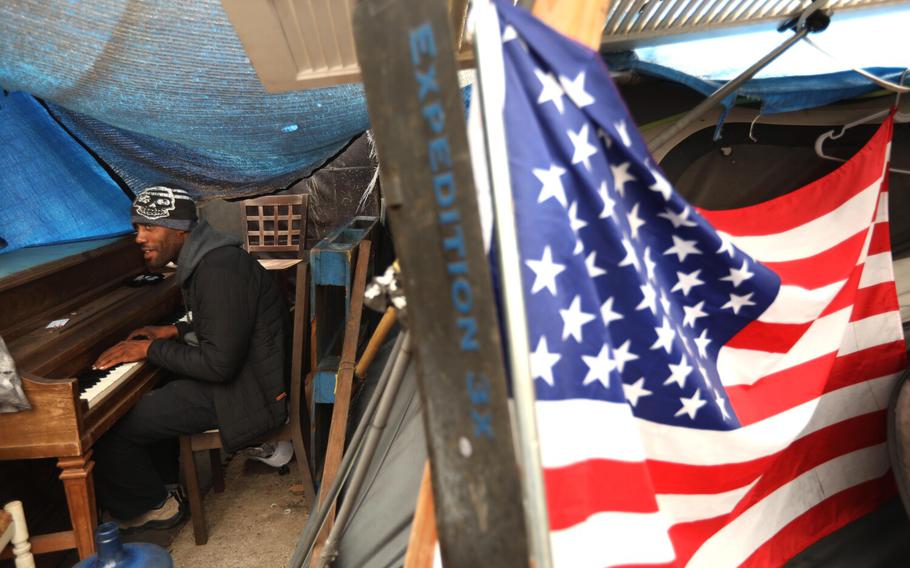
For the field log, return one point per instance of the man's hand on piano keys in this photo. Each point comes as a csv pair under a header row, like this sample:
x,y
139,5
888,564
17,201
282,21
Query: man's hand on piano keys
x,y
124,352
154,332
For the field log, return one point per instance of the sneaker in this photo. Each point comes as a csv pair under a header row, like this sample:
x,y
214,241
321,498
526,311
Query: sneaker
x,y
274,455
167,515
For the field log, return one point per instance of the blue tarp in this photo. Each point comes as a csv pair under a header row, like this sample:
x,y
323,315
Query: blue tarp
x,y
163,91
51,189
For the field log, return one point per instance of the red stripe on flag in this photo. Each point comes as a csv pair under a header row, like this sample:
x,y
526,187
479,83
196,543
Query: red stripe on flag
x,y
577,491
875,300
788,211
881,238
771,337
781,337
828,516
823,268
791,387
808,451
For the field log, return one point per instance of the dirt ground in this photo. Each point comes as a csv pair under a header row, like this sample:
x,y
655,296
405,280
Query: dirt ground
x,y
255,523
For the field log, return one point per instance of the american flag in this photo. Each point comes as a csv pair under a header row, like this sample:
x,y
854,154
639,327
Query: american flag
x,y
711,385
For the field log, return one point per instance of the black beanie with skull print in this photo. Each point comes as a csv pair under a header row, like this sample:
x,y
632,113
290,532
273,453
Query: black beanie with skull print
x,y
164,206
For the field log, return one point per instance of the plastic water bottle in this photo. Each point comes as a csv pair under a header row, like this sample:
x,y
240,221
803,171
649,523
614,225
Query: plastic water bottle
x,y
112,553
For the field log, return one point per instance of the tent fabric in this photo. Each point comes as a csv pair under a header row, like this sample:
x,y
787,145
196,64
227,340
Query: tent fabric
x,y
379,528
776,94
52,189
163,91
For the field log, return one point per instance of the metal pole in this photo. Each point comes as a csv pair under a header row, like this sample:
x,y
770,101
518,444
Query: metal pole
x,y
489,70
720,94
309,538
377,426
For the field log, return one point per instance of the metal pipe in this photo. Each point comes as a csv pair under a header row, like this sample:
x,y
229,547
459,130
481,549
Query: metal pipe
x,y
489,70
377,426
802,30
720,94
309,538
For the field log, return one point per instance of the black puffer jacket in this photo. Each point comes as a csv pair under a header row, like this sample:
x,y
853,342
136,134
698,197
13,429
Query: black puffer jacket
x,y
242,325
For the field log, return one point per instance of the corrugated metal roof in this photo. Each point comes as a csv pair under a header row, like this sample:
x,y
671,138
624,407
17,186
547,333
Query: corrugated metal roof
x,y
635,23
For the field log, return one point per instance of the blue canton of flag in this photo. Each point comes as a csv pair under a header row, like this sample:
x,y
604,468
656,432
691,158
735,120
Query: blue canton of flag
x,y
630,293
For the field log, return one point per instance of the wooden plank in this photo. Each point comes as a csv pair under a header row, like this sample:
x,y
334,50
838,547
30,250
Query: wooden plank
x,y
581,20
43,543
386,324
406,52
422,542
343,388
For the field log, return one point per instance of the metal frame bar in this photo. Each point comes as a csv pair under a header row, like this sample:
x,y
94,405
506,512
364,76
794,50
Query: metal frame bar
x,y
487,44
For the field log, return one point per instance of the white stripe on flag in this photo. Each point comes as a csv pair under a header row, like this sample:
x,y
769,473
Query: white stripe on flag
x,y
558,419
748,366
564,419
817,235
878,269
882,213
736,541
610,539
872,331
696,507
794,304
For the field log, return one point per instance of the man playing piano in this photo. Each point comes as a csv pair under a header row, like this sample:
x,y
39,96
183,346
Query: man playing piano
x,y
229,360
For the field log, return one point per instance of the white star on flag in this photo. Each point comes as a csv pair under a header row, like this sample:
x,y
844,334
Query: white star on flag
x,y
542,362
545,272
607,313
665,336
738,302
622,355
702,342
621,175
593,270
573,319
576,224
687,281
575,88
609,202
691,405
631,257
623,132
680,220
551,91
635,222
739,275
649,299
661,185
692,313
599,367
721,403
552,185
635,391
726,245
679,372
582,149
682,248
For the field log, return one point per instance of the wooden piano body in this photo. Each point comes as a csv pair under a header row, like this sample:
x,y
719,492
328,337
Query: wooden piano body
x,y
89,291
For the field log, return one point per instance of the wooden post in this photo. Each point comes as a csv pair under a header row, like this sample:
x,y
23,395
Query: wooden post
x,y
386,324
406,53
77,480
422,542
581,20
343,387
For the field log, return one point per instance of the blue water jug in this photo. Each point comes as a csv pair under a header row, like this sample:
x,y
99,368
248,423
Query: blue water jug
x,y
114,554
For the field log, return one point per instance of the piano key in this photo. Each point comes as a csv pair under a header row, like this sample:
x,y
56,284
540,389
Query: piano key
x,y
95,385
114,377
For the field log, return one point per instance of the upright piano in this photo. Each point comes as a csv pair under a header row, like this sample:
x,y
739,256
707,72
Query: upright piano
x,y
56,319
